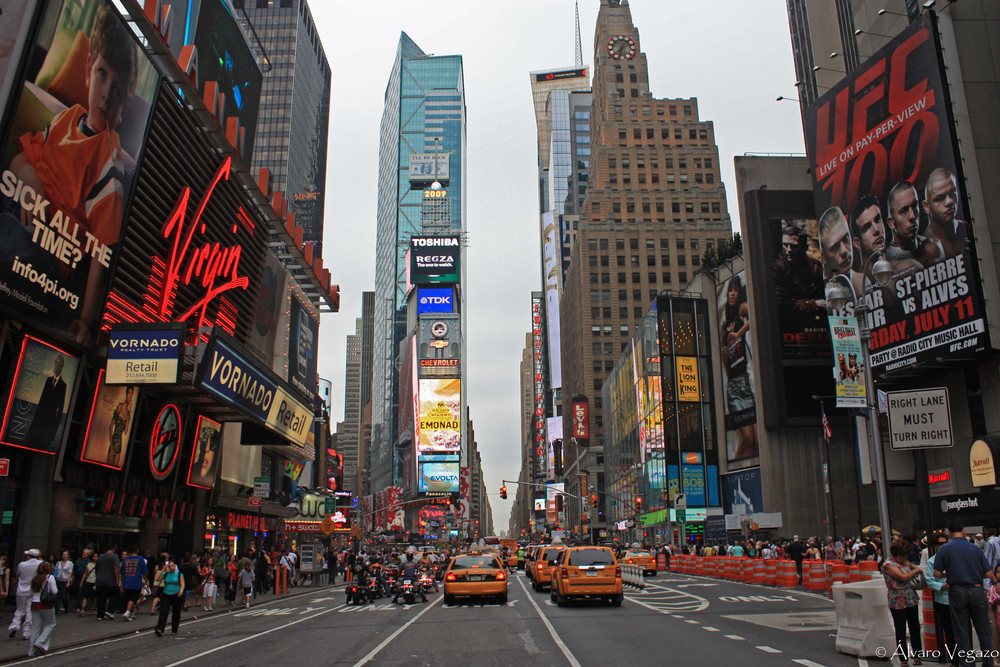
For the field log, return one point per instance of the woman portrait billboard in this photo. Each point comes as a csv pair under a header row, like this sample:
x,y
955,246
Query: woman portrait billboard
x,y
737,367
205,457
109,431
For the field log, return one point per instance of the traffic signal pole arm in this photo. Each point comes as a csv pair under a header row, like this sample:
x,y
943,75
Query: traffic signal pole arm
x,y
505,482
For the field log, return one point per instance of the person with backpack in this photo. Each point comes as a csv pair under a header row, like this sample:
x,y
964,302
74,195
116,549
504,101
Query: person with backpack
x,y
44,596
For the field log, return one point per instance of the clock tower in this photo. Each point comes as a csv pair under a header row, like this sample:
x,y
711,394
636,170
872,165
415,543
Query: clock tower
x,y
620,71
654,203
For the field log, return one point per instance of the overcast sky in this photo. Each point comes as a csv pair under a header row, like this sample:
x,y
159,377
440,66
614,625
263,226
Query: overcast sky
x,y
733,55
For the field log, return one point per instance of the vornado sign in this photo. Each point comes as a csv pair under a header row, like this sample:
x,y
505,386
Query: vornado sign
x,y
140,354
230,376
434,259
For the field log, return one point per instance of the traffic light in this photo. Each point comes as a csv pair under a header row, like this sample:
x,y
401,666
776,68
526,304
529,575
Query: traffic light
x,y
638,503
503,492
593,500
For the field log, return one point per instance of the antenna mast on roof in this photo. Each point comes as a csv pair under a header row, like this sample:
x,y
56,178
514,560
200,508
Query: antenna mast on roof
x,y
579,46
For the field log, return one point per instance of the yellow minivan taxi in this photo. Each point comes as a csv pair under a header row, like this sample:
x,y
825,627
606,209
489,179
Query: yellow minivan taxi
x,y
587,573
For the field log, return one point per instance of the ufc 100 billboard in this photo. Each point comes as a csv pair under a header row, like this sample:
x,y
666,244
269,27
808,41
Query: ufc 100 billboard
x,y
434,259
886,177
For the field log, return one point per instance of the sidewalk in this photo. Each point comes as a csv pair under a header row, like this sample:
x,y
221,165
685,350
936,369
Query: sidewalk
x,y
72,630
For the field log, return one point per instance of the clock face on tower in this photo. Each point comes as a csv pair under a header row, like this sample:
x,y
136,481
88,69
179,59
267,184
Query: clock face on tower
x,y
621,46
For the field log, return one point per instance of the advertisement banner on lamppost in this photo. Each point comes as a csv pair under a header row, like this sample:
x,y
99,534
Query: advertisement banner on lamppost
x,y
848,363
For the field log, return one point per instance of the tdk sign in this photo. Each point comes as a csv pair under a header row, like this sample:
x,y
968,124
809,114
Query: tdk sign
x,y
435,300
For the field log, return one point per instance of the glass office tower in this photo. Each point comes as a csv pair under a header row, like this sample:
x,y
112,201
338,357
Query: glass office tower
x,y
424,116
294,105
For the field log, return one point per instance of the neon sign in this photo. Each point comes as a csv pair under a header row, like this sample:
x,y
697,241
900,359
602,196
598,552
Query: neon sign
x,y
207,262
164,443
190,262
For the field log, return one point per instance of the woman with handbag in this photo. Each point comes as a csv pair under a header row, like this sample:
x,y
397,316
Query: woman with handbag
x,y
902,579
161,564
89,585
44,596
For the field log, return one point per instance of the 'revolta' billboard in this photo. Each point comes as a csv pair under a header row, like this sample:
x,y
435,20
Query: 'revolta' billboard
x,y
886,177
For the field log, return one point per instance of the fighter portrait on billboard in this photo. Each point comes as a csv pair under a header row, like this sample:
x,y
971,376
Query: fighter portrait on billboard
x,y
888,186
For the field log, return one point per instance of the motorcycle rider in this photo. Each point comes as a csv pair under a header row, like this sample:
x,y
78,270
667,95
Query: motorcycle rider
x,y
409,571
376,572
360,575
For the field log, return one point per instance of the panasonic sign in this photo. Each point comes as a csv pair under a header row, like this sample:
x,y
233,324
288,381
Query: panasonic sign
x,y
435,300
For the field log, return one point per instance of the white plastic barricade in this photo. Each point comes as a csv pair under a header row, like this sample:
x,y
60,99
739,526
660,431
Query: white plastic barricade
x,y
864,624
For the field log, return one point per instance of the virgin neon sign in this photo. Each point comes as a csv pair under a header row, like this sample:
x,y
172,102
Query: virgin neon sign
x,y
208,262
191,260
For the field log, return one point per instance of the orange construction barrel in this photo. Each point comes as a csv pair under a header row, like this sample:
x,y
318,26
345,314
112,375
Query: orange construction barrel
x,y
927,620
787,577
869,570
771,572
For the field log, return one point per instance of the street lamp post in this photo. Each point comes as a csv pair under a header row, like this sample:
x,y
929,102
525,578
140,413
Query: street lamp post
x,y
837,297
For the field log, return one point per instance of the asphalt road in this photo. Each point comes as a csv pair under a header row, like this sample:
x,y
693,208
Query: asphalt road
x,y
677,620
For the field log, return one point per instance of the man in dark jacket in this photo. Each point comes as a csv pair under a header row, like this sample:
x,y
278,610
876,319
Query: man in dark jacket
x,y
796,550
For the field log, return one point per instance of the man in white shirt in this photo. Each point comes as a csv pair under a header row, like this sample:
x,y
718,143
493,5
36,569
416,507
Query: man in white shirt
x,y
293,573
26,570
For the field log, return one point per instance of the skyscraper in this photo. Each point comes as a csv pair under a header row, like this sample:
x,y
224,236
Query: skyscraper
x,y
654,204
421,157
294,106
357,394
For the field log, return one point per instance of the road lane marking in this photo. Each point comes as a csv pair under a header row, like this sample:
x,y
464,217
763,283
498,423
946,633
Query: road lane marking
x,y
691,621
807,663
736,637
710,628
246,639
552,631
395,634
767,649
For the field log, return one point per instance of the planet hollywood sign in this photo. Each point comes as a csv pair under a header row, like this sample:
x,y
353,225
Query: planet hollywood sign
x,y
538,385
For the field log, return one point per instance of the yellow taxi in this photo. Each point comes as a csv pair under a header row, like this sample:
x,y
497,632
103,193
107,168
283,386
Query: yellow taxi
x,y
587,573
529,559
475,575
643,558
541,567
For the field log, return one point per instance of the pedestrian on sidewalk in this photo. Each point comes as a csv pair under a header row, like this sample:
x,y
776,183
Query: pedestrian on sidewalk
x,y
944,632
107,580
161,565
64,573
89,586
246,581
134,577
76,581
26,571
903,599
964,566
43,613
4,580
208,581
171,587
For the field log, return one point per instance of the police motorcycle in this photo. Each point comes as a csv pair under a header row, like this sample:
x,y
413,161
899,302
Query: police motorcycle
x,y
357,588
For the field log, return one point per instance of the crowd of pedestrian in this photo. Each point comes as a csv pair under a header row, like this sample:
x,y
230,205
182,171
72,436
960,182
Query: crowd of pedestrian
x,y
110,583
961,571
